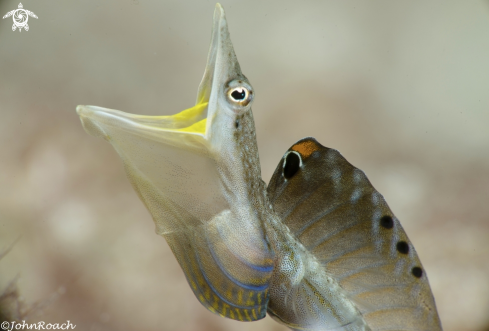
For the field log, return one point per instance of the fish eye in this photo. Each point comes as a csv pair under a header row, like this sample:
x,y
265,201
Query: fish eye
x,y
239,95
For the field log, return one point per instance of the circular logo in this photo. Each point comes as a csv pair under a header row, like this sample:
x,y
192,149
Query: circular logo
x,y
20,17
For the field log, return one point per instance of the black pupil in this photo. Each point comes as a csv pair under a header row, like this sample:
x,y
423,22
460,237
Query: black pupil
x,y
237,95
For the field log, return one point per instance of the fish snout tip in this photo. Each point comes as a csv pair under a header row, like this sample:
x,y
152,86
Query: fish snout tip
x,y
79,109
88,121
83,110
218,11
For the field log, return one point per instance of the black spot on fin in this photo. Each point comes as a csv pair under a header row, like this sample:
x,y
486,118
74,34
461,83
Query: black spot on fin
x,y
292,165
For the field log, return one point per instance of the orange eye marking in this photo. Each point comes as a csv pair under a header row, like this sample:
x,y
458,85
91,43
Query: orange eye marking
x,y
305,148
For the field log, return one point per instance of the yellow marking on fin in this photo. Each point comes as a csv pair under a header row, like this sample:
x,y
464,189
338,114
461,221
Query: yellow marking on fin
x,y
240,297
201,298
207,293
216,303
254,314
231,314
305,148
194,286
248,318
259,298
224,307
229,294
239,315
250,302
201,281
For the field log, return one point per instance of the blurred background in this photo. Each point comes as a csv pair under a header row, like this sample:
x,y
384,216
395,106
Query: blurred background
x,y
400,88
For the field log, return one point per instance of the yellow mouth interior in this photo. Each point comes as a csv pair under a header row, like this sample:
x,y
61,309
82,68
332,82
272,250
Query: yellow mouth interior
x,y
188,115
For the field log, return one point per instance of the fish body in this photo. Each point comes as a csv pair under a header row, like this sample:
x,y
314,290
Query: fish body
x,y
318,249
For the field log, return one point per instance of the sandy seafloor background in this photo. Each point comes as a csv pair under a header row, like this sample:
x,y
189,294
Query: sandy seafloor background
x,y
400,88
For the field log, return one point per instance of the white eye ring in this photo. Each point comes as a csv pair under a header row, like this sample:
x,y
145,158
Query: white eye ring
x,y
239,94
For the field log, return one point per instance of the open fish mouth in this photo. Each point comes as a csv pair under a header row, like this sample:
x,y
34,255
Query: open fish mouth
x,y
96,121
221,62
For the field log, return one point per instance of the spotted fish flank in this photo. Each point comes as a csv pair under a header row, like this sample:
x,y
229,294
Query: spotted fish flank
x,y
352,242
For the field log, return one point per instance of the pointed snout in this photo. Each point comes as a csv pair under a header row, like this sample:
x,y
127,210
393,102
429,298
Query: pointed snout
x,y
88,116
